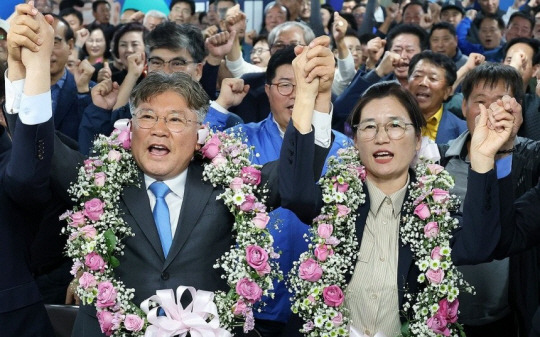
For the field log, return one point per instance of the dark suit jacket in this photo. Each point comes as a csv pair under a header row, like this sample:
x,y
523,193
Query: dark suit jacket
x,y
24,187
202,236
473,242
70,108
450,127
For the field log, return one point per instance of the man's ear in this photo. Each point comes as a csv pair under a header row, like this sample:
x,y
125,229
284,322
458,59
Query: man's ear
x,y
71,44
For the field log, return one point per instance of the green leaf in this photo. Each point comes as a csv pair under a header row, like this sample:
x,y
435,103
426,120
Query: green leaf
x,y
113,262
405,329
110,240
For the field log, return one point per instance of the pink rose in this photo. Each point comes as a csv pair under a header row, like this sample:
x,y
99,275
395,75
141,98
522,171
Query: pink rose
x,y
435,168
261,220
88,231
202,134
341,187
322,252
325,230
236,184
77,219
114,155
338,319
436,253
362,172
440,195
93,209
248,203
89,166
343,210
219,160
333,296
124,139
133,323
106,295
99,179
94,261
435,276
211,148
431,229
310,270
251,175
105,319
333,241
449,310
87,280
249,290
422,211
437,324
239,308
257,258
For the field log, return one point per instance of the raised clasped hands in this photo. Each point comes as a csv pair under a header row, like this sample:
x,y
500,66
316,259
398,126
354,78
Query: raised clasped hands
x,y
496,128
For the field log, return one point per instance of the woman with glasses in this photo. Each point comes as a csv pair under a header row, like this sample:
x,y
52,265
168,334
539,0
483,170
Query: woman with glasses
x,y
96,47
260,54
387,126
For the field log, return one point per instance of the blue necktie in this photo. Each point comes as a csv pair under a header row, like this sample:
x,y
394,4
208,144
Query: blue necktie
x,y
161,215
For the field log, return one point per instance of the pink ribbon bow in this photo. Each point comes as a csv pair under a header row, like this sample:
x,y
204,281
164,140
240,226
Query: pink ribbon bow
x,y
179,320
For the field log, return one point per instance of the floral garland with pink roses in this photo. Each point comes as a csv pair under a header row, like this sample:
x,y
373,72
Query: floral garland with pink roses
x,y
96,231
317,281
428,228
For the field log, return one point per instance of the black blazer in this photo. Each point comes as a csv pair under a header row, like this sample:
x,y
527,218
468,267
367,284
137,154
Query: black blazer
x,y
24,187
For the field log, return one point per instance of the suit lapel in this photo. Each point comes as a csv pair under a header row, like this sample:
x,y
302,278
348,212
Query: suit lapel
x,y
138,205
196,195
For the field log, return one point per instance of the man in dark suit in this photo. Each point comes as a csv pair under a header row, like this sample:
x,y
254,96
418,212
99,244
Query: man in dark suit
x,y
70,94
24,179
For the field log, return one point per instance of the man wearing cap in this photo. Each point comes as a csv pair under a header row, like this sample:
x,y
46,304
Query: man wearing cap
x,y
452,11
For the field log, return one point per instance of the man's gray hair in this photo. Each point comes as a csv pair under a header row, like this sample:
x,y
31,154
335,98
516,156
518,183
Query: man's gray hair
x,y
157,83
155,14
308,32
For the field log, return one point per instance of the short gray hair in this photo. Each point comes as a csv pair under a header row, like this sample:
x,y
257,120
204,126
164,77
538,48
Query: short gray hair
x,y
308,32
155,14
157,83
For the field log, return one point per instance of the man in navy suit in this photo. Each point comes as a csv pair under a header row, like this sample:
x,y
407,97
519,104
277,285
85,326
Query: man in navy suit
x,y
24,179
70,94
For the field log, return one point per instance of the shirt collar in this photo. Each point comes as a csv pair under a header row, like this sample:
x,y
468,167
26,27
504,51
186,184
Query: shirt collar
x,y
377,198
176,184
436,118
62,80
281,132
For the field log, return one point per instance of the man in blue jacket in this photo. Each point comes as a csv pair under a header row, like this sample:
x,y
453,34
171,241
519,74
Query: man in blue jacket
x,y
267,137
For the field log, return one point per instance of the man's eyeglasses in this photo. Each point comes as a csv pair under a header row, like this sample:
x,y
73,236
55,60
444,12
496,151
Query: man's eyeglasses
x,y
395,129
284,88
258,51
175,64
147,119
280,45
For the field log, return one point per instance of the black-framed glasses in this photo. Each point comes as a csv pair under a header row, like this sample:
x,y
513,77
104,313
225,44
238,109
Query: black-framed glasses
x,y
395,129
284,88
147,119
175,64
280,45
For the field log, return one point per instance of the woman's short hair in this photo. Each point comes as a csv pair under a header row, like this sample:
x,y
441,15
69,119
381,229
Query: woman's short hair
x,y
389,89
